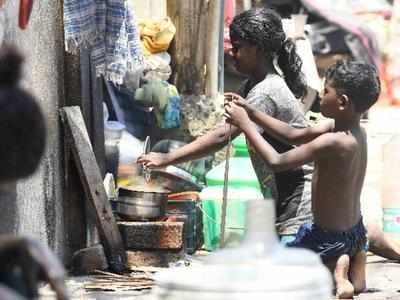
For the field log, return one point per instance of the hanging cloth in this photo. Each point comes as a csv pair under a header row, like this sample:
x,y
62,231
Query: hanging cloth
x,y
165,100
156,35
108,27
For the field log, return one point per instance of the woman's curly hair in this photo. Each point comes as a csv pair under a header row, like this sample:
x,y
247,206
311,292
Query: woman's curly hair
x,y
262,27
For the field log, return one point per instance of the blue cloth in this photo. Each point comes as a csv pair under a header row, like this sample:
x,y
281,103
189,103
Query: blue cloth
x,y
172,112
137,119
331,244
285,239
109,28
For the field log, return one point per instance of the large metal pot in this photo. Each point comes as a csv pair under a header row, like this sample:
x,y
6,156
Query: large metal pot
x,y
141,205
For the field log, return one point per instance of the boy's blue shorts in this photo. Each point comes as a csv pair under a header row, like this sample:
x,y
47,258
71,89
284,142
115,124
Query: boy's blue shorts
x,y
331,244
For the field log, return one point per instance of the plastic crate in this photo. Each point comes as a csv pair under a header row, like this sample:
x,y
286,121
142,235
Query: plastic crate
x,y
190,213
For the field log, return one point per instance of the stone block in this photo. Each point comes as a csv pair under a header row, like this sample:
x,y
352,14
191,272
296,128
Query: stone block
x,y
152,235
86,260
155,258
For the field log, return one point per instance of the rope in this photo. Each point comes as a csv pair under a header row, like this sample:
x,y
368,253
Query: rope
x,y
225,191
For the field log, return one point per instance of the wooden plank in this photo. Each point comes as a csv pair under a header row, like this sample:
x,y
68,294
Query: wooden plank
x,y
75,222
93,186
92,237
86,88
97,120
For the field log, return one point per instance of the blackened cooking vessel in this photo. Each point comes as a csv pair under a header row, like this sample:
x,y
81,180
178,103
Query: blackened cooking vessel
x,y
141,205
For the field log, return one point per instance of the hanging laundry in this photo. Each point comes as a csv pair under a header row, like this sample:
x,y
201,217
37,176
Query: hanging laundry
x,y
153,93
165,100
108,27
172,112
156,36
157,66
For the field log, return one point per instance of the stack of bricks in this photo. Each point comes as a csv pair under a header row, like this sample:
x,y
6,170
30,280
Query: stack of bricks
x,y
153,243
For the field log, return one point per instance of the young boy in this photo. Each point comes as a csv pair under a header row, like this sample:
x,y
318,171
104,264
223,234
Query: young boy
x,y
339,150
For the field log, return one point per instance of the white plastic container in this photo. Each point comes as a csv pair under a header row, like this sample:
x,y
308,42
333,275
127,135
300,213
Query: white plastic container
x,y
260,268
113,130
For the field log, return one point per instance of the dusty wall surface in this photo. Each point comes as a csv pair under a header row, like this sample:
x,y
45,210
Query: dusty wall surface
x,y
200,115
150,9
34,206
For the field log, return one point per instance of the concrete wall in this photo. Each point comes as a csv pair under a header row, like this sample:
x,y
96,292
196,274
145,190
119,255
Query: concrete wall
x,y
150,9
34,206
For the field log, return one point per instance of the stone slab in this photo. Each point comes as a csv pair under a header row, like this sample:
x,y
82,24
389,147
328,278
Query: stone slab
x,y
152,235
86,260
155,258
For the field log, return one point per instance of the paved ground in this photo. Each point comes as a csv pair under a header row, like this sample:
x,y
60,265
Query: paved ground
x,y
383,281
383,276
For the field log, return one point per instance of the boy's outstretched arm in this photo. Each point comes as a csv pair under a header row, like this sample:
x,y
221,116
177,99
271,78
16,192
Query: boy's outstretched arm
x,y
278,129
321,146
202,146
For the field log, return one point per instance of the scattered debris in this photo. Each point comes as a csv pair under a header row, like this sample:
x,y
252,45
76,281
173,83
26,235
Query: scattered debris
x,y
106,281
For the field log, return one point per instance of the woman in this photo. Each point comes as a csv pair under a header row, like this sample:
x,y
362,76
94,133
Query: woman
x,y
262,52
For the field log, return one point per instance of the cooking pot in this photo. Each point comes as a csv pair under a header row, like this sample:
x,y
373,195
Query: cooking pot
x,y
141,205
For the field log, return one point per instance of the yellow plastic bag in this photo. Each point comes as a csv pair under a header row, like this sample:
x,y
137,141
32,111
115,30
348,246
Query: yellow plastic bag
x,y
156,36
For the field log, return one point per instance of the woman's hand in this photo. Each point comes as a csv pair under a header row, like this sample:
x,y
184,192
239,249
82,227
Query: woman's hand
x,y
154,160
236,115
238,100
232,97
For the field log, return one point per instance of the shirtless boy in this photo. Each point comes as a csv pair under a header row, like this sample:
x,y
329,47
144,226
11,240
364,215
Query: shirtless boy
x,y
339,150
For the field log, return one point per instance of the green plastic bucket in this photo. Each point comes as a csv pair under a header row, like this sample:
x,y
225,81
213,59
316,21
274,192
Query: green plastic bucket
x,y
241,174
240,146
211,198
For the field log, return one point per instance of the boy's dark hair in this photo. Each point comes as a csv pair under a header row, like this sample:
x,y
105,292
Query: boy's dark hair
x,y
262,27
358,80
22,126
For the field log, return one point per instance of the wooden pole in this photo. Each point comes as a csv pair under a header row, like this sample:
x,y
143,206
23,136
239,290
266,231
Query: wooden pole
x,y
214,28
188,47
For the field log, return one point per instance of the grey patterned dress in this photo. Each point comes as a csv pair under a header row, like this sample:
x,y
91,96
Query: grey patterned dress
x,y
290,189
